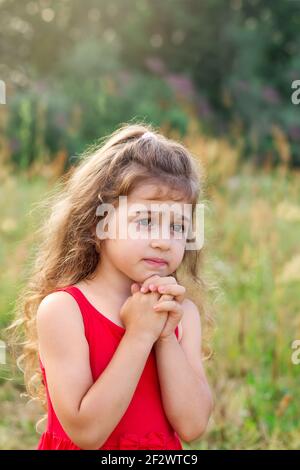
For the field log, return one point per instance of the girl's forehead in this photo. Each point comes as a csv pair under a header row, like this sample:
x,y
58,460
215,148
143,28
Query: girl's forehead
x,y
151,199
154,193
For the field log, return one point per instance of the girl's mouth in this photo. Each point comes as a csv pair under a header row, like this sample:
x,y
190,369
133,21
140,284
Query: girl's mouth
x,y
156,262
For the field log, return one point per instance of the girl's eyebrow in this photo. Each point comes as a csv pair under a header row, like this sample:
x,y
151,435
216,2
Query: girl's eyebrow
x,y
133,214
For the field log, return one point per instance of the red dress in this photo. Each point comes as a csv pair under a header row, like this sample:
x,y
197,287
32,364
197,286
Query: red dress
x,y
144,425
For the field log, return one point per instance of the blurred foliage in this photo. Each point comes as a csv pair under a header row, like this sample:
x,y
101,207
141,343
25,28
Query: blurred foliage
x,y
75,70
71,112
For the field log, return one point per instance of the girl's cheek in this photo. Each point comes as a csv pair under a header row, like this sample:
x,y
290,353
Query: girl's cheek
x,y
179,248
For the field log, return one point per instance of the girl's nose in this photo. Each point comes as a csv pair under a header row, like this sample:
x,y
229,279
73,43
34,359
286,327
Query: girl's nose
x,y
164,244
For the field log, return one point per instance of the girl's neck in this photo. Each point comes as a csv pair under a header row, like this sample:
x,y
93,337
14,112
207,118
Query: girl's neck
x,y
109,281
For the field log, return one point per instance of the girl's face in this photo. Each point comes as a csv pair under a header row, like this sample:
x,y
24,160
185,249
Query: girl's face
x,y
151,228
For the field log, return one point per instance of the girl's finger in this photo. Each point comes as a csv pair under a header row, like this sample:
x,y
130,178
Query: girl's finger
x,y
177,291
168,305
135,288
153,282
150,281
165,297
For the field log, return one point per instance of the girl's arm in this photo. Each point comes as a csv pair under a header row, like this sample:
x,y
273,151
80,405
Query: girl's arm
x,y
186,394
87,411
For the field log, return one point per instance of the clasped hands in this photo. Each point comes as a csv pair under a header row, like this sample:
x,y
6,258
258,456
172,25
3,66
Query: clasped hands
x,y
170,301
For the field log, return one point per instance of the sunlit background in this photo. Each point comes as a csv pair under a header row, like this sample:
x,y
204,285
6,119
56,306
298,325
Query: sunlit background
x,y
216,75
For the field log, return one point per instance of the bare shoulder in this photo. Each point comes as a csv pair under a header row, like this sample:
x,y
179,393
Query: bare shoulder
x,y
191,314
59,307
190,306
191,321
57,298
57,314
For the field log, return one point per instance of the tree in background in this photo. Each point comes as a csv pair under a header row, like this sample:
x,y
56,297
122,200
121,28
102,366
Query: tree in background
x,y
97,63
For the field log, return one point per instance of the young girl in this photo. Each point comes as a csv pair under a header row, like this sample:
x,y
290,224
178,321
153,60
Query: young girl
x,y
113,346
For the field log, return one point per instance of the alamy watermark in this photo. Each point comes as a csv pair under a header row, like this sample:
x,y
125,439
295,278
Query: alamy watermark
x,y
126,220
295,97
295,358
2,352
2,92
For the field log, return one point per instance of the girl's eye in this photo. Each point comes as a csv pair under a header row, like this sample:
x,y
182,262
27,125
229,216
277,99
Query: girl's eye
x,y
142,222
146,222
178,227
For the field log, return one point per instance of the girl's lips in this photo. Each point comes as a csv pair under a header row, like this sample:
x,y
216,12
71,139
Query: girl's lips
x,y
153,262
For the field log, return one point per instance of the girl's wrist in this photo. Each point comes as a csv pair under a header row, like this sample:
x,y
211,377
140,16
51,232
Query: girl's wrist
x,y
166,339
142,337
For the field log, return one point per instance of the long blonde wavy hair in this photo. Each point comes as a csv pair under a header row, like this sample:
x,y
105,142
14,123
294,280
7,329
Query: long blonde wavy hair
x,y
68,249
